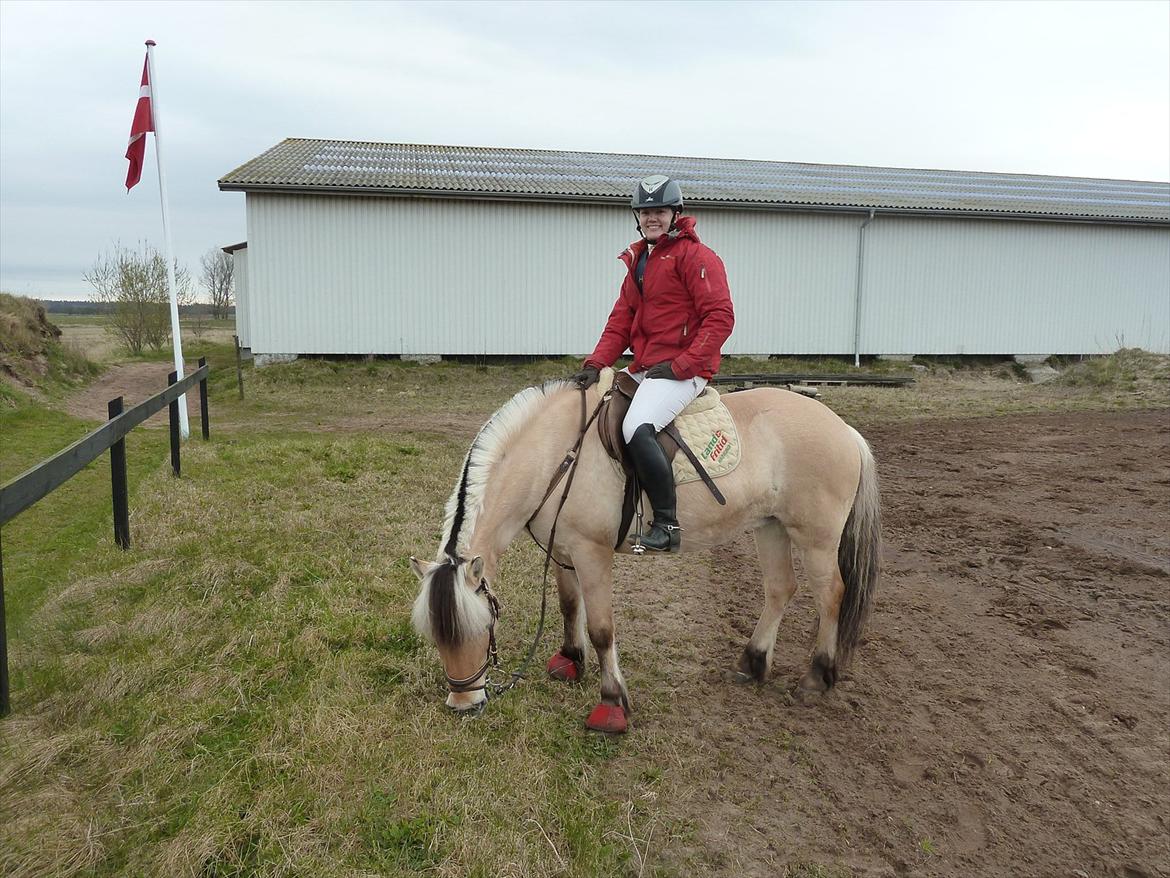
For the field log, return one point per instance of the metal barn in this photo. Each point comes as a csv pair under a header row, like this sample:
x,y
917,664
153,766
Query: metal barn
x,y
390,248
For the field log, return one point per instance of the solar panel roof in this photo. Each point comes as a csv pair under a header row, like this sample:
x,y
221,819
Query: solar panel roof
x,y
490,172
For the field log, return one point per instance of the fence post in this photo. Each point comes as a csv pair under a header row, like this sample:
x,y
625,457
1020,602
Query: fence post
x,y
118,482
174,414
239,366
4,704
203,401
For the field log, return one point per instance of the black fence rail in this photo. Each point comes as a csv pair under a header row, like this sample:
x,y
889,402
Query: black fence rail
x,y
44,478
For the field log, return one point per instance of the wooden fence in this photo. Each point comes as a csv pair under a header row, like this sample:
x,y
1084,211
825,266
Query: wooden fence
x,y
44,478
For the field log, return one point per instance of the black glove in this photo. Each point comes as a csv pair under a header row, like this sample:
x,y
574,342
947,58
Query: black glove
x,y
662,370
587,377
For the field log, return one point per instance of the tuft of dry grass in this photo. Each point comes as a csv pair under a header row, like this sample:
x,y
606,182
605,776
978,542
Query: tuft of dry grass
x,y
1128,370
32,355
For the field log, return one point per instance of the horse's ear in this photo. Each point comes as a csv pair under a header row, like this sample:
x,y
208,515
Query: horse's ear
x,y
475,569
421,568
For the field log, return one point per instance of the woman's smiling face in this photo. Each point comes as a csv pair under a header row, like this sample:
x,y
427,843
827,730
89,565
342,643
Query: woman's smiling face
x,y
655,222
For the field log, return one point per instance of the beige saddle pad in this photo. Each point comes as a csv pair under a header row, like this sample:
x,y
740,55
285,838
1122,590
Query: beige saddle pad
x,y
706,426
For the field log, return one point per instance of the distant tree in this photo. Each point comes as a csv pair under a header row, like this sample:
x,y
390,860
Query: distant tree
x,y
218,277
134,284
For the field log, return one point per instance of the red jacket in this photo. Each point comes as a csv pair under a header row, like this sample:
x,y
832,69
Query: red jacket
x,y
682,313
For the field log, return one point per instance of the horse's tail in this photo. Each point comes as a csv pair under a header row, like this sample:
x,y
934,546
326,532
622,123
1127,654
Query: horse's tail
x,y
859,555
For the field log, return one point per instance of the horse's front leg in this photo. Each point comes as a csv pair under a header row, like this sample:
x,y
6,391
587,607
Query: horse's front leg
x,y
568,663
595,573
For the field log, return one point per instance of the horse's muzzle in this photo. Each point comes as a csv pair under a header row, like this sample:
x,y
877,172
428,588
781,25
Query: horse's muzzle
x,y
469,711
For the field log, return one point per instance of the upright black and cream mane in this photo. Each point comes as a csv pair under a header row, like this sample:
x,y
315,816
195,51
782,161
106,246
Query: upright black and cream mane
x,y
489,445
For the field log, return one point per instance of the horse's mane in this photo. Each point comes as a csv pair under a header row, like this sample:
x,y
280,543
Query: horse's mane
x,y
466,501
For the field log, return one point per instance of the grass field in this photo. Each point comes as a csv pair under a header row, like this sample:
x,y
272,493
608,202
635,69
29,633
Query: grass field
x,y
242,693
87,333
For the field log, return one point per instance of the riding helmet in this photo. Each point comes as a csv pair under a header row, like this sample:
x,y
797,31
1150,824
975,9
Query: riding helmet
x,y
657,190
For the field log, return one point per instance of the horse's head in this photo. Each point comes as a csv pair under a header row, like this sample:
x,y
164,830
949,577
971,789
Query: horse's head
x,y
456,610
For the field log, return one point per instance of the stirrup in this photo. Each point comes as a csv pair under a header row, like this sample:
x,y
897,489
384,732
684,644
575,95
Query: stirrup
x,y
673,544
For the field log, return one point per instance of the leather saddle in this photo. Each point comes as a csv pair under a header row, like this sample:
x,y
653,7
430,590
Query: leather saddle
x,y
609,428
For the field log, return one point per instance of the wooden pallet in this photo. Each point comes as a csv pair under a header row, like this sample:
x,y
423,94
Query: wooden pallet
x,y
795,379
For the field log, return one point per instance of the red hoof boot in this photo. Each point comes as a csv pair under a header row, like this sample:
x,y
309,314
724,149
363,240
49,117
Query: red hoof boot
x,y
560,667
608,718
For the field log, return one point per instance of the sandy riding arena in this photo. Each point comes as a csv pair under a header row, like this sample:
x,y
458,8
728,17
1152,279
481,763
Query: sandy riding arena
x,y
1008,714
243,693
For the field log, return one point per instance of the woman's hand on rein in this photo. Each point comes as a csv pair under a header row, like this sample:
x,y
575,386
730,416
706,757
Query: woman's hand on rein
x,y
587,377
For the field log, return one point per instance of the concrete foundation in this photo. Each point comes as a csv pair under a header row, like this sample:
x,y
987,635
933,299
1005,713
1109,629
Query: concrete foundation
x,y
1036,367
262,360
425,359
896,358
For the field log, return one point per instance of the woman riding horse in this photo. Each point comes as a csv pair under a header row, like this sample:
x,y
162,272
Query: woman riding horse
x,y
674,311
805,481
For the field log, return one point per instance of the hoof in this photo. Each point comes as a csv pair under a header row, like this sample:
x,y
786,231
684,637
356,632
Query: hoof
x,y
608,718
811,688
820,678
561,667
754,663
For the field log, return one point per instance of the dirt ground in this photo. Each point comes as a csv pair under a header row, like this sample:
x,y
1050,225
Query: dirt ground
x,y
1007,715
134,382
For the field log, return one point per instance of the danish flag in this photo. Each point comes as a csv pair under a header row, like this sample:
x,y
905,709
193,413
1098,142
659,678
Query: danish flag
x,y
143,122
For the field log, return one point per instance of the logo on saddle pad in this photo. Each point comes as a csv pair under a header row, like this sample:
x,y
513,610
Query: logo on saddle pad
x,y
716,447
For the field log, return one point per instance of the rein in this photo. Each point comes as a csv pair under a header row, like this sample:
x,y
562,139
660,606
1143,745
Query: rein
x,y
492,659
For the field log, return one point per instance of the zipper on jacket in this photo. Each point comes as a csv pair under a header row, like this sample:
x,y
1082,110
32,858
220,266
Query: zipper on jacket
x,y
703,276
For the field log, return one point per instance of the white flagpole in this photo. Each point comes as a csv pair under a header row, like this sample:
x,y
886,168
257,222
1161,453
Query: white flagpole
x,y
184,428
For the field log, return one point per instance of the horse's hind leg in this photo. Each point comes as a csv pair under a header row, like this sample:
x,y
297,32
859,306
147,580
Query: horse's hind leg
x,y
820,564
569,662
775,551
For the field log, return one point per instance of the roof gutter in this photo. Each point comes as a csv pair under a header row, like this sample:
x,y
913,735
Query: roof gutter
x,y
770,207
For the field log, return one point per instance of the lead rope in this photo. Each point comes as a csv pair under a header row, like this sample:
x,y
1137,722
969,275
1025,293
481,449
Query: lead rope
x,y
572,458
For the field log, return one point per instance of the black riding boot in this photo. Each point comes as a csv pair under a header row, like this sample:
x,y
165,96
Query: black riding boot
x,y
657,479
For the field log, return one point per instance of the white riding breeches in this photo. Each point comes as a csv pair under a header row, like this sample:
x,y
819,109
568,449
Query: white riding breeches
x,y
658,401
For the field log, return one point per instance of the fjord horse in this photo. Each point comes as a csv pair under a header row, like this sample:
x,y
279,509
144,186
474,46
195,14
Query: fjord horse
x,y
806,479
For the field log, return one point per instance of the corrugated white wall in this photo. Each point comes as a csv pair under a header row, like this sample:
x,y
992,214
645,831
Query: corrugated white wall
x,y
792,278
243,300
418,276
344,274
940,286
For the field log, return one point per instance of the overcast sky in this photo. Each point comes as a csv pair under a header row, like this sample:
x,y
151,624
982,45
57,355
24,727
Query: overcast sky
x,y
1079,89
